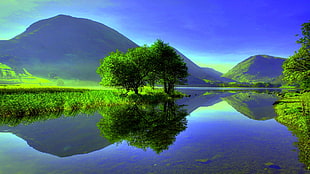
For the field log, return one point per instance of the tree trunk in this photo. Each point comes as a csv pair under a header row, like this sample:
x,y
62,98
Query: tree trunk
x,y
170,88
136,91
165,87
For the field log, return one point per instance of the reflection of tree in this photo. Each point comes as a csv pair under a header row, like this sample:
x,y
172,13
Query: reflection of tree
x,y
143,126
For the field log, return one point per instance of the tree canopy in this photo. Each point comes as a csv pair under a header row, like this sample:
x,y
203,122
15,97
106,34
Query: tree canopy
x,y
297,67
169,66
143,65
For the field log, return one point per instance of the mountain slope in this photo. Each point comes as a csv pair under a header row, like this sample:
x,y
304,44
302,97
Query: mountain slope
x,y
67,46
259,68
197,73
71,48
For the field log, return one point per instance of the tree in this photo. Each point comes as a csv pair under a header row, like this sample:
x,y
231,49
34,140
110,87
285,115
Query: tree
x,y
297,67
128,70
143,65
170,68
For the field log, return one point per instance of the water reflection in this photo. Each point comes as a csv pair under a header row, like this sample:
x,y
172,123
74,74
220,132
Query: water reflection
x,y
144,126
257,106
62,137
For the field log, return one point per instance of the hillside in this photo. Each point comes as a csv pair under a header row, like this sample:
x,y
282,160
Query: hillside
x,y
259,68
70,48
197,73
9,76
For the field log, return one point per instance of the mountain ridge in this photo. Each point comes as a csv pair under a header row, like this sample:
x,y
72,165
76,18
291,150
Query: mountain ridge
x,y
71,48
258,68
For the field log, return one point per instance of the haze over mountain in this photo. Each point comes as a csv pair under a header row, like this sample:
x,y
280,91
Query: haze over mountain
x,y
71,48
259,68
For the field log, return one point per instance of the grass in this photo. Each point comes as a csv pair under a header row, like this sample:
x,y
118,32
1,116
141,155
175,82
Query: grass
x,y
25,104
28,102
294,112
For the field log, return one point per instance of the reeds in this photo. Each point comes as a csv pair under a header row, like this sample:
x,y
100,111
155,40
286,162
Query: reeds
x,y
19,104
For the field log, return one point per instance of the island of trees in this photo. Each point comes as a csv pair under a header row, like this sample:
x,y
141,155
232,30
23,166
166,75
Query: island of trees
x,y
157,64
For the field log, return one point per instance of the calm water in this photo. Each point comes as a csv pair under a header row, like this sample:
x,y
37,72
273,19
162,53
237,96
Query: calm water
x,y
215,132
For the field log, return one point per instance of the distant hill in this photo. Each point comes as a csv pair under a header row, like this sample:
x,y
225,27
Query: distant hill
x,y
70,48
259,68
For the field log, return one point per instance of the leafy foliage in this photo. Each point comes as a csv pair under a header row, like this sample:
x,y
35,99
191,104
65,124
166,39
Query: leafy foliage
x,y
169,66
127,70
143,65
297,67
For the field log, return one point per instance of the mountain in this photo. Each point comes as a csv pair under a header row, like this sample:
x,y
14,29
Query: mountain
x,y
259,68
71,48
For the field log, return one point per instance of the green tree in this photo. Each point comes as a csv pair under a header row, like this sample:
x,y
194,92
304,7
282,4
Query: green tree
x,y
297,67
170,68
128,70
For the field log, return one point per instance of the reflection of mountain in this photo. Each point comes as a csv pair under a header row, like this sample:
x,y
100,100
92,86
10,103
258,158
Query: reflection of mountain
x,y
257,106
198,98
64,136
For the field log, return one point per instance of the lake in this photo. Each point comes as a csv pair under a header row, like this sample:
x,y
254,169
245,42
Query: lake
x,y
212,131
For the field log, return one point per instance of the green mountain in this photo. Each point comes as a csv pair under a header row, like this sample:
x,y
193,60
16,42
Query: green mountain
x,y
256,106
259,68
63,45
70,48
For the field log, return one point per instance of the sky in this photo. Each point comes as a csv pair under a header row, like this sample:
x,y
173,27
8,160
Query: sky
x,y
212,33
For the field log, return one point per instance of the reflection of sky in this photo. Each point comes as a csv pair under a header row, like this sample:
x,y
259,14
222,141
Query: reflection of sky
x,y
209,32
218,133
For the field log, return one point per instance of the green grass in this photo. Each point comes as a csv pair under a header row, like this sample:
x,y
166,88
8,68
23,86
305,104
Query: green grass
x,y
294,112
36,101
25,104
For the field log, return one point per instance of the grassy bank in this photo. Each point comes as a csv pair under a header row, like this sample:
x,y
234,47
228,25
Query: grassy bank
x,y
36,100
294,112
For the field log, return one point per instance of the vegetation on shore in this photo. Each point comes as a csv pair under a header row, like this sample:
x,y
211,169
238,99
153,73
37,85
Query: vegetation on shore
x,y
32,102
294,109
294,112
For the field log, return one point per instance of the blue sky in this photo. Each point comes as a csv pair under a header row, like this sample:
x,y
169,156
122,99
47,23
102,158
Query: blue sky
x,y
212,33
